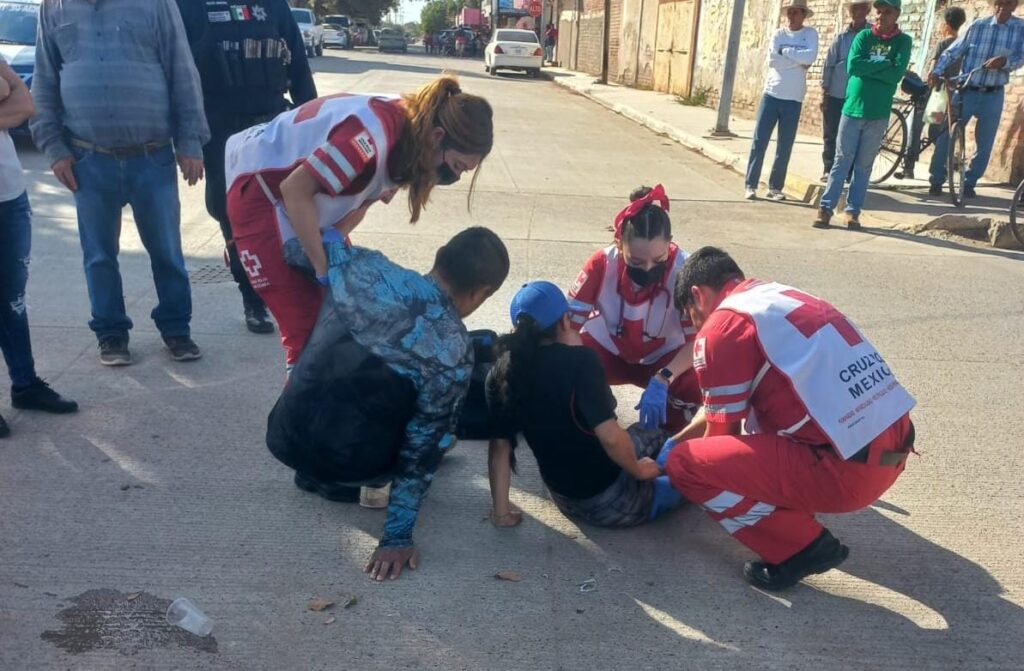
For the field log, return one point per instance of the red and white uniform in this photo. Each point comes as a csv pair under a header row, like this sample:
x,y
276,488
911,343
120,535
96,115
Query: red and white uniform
x,y
635,331
813,392
345,141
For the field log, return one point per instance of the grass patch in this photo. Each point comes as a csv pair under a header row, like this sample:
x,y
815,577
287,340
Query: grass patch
x,y
698,98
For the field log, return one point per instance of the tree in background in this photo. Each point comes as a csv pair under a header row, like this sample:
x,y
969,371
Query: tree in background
x,y
371,10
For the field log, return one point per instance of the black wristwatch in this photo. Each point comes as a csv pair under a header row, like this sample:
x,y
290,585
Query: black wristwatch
x,y
666,373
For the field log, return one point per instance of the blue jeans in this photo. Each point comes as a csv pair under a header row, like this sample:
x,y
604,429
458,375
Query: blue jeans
x,y
785,113
15,246
150,185
549,52
986,108
859,142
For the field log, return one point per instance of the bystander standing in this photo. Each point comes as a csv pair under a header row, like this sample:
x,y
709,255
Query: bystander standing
x,y
550,42
834,79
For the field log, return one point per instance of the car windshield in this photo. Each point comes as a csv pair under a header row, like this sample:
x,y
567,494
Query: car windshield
x,y
18,22
341,21
302,15
387,32
516,36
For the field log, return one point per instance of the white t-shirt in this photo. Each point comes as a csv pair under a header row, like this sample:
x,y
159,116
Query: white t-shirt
x,y
790,55
12,177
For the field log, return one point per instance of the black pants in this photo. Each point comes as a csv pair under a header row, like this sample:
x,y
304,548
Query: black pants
x,y
830,129
217,201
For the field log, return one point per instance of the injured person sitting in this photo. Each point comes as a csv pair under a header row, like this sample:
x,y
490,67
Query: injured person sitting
x,y
373,397
551,389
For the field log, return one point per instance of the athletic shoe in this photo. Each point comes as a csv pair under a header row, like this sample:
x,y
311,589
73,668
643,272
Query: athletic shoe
x,y
257,320
936,190
824,219
750,194
4,429
114,351
824,554
777,196
328,490
853,222
37,395
182,348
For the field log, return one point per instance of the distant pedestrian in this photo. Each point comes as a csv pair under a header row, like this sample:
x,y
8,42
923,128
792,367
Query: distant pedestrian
x,y
550,42
428,43
996,44
28,391
834,79
117,101
878,60
952,20
460,43
274,59
790,54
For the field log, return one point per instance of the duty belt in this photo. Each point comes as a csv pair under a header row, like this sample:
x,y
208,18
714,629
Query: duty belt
x,y
121,153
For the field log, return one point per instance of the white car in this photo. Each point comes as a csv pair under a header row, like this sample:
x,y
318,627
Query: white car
x,y
514,50
18,25
336,36
312,31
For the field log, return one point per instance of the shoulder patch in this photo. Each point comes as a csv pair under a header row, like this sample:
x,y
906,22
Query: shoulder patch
x,y
363,144
699,353
581,279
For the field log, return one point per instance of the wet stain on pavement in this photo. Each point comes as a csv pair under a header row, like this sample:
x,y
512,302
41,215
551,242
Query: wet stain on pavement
x,y
106,619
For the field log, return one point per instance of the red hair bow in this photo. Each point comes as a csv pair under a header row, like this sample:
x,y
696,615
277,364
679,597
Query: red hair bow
x,y
657,195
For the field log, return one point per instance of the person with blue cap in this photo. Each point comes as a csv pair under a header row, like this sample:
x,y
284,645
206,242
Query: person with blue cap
x,y
549,387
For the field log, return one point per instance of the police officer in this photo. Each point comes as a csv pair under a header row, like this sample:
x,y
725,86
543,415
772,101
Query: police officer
x,y
248,56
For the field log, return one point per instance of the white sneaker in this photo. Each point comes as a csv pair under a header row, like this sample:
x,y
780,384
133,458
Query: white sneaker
x,y
750,194
777,196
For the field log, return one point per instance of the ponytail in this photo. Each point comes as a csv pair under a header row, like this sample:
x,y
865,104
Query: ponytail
x,y
516,354
467,121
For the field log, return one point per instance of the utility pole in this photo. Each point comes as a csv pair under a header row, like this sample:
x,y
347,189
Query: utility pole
x,y
607,41
732,52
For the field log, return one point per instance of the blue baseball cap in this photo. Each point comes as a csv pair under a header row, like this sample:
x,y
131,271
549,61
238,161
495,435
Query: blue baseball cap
x,y
543,301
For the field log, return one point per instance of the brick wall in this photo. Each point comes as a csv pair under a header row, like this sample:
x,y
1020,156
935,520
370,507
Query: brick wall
x,y
615,33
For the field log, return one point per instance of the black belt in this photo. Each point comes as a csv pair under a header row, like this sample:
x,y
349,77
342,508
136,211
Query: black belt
x,y
889,457
984,89
121,153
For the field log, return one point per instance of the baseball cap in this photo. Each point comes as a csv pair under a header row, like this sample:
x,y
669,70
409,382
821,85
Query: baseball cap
x,y
543,301
895,4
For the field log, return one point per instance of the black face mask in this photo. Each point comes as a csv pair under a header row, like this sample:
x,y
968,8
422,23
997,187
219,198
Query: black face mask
x,y
645,278
445,175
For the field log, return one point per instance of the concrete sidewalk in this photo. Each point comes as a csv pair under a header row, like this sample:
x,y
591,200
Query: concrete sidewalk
x,y
899,204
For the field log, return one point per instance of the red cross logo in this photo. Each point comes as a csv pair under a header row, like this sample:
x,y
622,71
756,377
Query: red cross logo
x,y
815,314
251,263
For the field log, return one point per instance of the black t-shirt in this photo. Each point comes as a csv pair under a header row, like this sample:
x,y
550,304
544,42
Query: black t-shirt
x,y
568,396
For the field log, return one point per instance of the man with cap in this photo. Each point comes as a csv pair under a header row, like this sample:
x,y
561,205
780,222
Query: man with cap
x,y
834,79
878,59
996,45
790,54
548,386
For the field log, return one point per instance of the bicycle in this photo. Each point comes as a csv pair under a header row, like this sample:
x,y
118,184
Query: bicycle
x,y
1017,213
894,150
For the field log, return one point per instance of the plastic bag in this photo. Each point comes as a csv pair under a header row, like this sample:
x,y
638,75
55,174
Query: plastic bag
x,y
935,110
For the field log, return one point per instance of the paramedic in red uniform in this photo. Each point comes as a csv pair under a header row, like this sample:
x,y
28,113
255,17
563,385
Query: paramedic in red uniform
x,y
322,165
622,305
827,426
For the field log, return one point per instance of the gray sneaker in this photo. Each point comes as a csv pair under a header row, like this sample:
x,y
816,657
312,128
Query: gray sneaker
x,y
182,348
114,351
777,196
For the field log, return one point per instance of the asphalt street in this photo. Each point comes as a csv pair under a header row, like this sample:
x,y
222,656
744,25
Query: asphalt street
x,y
162,486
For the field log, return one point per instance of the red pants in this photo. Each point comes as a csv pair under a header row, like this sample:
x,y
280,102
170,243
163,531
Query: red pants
x,y
684,395
292,297
766,489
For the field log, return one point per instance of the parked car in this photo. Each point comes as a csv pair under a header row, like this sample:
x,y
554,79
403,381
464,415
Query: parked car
x,y
514,50
312,31
336,36
391,39
18,24
344,25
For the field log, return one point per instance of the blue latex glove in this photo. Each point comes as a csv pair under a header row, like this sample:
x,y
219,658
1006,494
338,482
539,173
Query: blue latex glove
x,y
666,450
665,497
323,280
652,404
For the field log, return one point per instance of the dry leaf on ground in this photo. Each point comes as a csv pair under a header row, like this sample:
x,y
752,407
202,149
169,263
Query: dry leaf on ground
x,y
320,604
330,620
353,600
133,596
510,576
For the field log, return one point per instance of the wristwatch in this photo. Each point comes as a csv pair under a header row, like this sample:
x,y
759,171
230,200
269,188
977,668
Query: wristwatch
x,y
666,373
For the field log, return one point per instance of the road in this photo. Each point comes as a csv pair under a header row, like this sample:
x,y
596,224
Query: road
x,y
162,486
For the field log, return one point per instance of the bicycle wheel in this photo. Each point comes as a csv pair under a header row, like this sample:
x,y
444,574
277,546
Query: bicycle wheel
x,y
893,149
957,163
1017,214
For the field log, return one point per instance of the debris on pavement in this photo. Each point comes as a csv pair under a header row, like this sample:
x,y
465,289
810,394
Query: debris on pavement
x,y
510,576
352,600
320,604
588,585
125,488
133,596
330,620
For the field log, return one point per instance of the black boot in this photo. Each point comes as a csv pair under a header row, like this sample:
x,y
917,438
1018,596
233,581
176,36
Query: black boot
x,y
37,395
257,320
4,429
331,491
823,554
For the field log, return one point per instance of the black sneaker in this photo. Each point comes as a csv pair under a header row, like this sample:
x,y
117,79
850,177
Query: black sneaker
x,y
182,348
114,351
39,396
936,190
969,192
329,490
257,320
4,429
824,554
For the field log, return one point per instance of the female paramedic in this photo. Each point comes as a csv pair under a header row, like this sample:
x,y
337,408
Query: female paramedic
x,y
322,165
622,305
548,387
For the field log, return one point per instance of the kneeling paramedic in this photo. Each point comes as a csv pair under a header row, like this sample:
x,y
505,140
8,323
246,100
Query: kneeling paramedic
x,y
375,394
827,424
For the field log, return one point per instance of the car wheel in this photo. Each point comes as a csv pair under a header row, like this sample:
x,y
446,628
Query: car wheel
x,y
310,52
487,68
535,73
320,49
494,71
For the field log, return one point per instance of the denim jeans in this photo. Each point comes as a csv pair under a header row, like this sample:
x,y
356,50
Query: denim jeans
x,y
549,52
15,246
149,184
832,115
986,108
785,113
859,142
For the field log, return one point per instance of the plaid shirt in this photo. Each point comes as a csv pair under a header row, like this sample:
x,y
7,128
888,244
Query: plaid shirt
x,y
982,40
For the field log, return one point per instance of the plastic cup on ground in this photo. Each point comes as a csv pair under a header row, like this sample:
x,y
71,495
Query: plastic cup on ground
x,y
183,613
375,497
